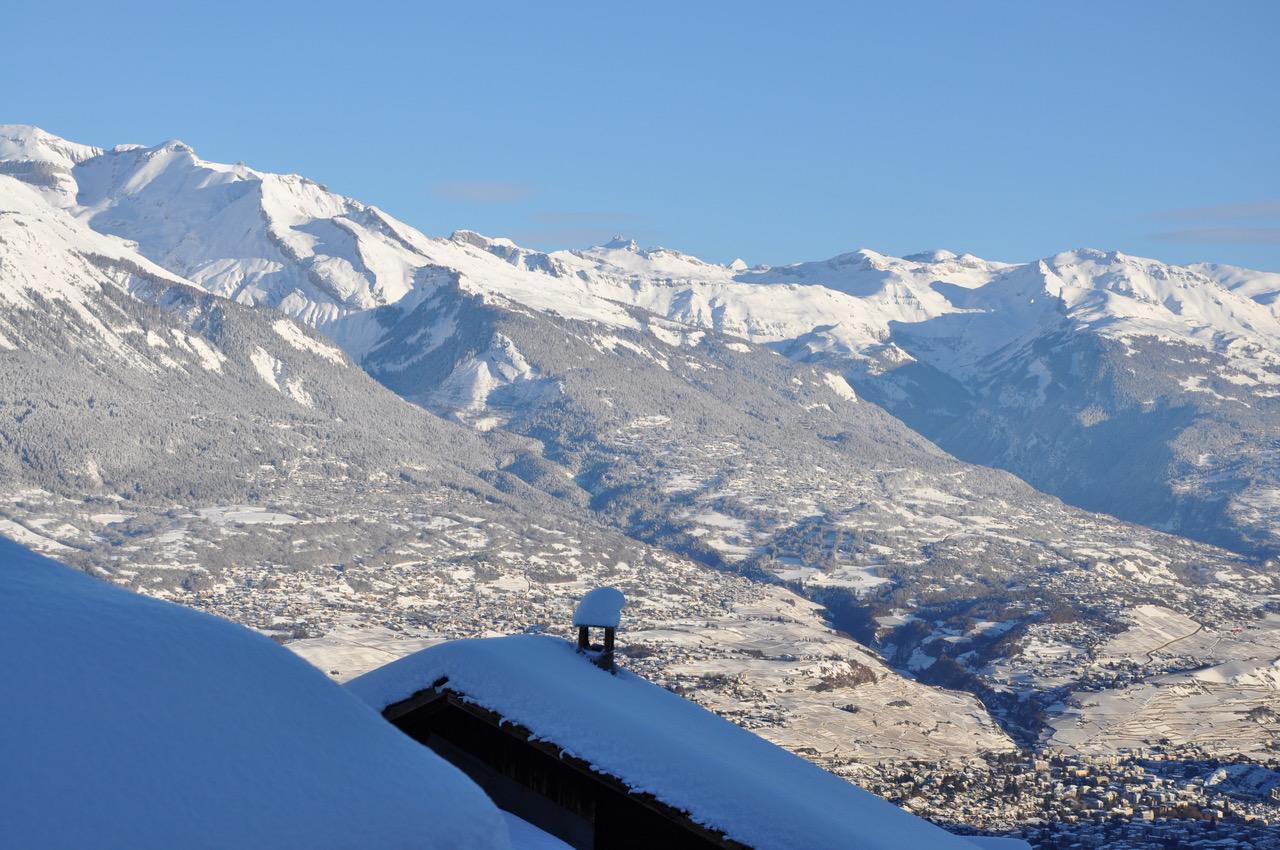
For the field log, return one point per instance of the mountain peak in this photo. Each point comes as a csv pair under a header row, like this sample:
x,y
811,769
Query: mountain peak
x,y
30,143
479,240
175,145
937,255
622,243
43,160
869,258
1079,255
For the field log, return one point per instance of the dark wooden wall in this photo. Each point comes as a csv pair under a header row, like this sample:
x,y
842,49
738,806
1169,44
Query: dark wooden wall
x,y
561,796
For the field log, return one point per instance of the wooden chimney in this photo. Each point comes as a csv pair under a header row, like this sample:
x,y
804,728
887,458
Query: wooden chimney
x,y
599,609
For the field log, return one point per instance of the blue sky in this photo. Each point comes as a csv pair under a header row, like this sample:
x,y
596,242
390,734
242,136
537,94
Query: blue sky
x,y
774,132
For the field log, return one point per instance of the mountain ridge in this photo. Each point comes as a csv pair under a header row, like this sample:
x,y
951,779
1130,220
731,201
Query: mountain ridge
x,y
470,430
952,344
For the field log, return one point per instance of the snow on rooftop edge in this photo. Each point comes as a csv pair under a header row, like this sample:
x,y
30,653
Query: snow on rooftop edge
x,y
131,722
600,607
725,777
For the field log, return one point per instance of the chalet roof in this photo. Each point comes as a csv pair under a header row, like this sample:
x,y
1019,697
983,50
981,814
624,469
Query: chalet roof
x,y
654,742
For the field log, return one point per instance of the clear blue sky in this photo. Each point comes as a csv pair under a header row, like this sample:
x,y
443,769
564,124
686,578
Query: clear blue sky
x,y
775,132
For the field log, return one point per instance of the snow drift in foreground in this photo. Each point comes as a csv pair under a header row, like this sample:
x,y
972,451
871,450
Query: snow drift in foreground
x,y
725,777
131,722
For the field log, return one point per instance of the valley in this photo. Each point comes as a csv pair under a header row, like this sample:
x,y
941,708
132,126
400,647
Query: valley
x,y
871,507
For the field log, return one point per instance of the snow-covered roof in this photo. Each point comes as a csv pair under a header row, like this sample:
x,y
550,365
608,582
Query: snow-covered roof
x,y
131,722
600,607
655,742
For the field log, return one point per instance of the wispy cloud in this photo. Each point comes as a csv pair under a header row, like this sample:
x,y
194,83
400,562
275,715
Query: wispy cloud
x,y
1225,212
1243,223
484,191
1222,235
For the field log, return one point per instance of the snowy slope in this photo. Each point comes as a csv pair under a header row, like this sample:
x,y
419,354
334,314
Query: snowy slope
x,y
1120,384
188,444
47,256
43,160
1262,287
258,238
725,777
631,387
121,378
976,355
849,300
286,241
1110,294
129,722
858,299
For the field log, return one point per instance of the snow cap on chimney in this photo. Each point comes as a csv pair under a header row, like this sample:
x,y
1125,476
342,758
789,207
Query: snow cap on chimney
x,y
601,607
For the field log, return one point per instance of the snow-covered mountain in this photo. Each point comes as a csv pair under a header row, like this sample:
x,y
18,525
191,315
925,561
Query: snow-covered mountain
x,y
1021,366
1121,384
1038,368
283,240
111,361
223,456
629,418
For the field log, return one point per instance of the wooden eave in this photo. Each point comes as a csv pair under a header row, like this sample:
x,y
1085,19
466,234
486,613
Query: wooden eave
x,y
439,695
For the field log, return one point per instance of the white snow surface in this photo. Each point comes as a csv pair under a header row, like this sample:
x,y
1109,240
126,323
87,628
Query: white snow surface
x,y
723,776
293,335
526,836
327,260
132,722
1112,294
47,254
31,148
600,607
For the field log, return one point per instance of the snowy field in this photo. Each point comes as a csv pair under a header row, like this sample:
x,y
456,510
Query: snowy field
x,y
1222,692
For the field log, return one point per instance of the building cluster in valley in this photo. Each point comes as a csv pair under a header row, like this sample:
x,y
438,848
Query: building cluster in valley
x,y
353,582
1156,797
